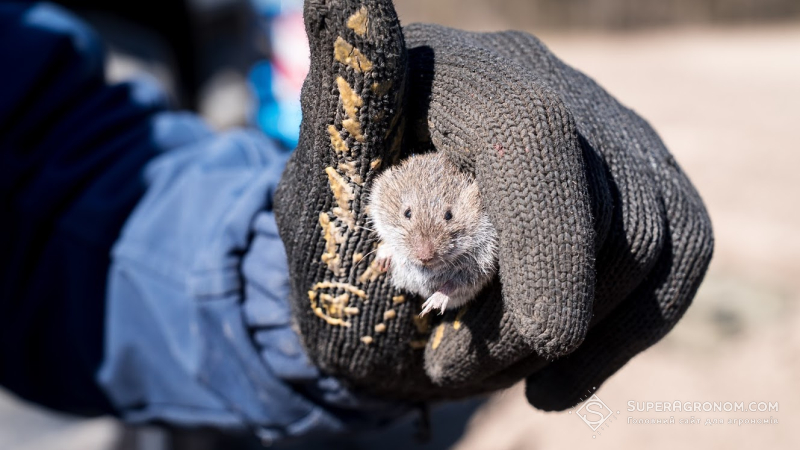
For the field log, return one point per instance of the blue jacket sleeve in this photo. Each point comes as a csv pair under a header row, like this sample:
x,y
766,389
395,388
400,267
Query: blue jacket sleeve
x,y
71,151
186,322
197,302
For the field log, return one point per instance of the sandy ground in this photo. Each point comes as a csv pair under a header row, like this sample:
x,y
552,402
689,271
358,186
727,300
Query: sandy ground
x,y
726,103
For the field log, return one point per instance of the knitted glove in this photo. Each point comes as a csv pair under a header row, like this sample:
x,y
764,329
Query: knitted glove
x,y
603,240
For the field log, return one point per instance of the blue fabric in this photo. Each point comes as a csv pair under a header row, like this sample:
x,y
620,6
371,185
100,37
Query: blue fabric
x,y
276,82
71,151
187,321
279,118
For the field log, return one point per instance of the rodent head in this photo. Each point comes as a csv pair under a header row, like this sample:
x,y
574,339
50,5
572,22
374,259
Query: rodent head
x,y
428,211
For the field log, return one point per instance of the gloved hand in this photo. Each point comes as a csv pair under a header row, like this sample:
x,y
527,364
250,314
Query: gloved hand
x,y
603,240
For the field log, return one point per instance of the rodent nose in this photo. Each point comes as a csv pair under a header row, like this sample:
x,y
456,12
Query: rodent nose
x,y
424,251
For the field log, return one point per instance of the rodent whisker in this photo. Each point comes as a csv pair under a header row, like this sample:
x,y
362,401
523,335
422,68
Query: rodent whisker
x,y
364,258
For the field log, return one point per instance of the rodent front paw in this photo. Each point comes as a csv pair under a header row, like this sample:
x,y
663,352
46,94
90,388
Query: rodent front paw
x,y
436,301
384,258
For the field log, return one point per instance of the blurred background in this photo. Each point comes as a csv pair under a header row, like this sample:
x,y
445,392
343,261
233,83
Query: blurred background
x,y
718,79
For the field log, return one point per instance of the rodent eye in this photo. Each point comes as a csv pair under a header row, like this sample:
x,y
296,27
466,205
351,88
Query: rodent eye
x,y
407,213
448,215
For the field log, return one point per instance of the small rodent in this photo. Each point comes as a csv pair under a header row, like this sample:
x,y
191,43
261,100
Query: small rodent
x,y
437,239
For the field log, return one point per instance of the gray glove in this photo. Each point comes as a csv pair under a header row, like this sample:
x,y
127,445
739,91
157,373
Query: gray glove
x,y
603,240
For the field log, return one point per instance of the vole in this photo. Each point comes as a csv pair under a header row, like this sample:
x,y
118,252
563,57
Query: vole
x,y
437,240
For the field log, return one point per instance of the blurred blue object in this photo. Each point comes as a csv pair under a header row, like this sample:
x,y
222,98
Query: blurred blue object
x,y
71,153
276,117
278,80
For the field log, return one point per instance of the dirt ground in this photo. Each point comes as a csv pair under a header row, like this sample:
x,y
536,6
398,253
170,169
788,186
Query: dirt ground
x,y
726,103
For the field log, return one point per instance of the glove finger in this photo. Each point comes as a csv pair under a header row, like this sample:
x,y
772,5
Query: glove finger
x,y
352,125
353,94
626,204
519,140
602,200
651,310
